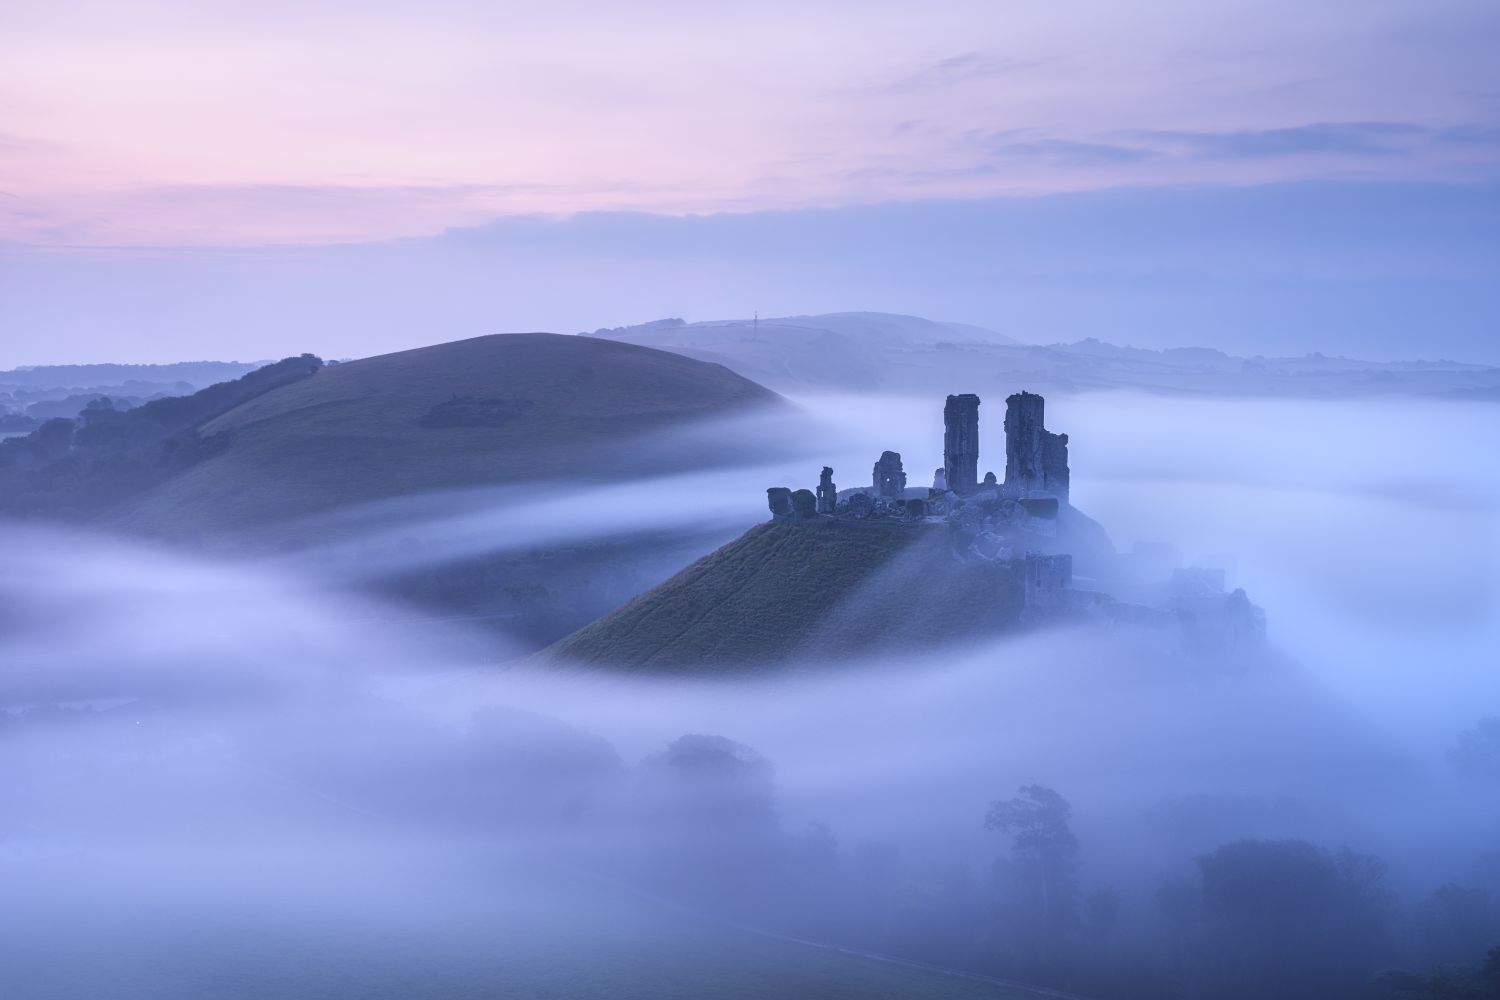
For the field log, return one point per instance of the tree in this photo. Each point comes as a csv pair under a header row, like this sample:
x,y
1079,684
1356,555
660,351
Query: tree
x,y
1482,983
1455,924
1042,840
53,439
1288,918
709,811
1489,973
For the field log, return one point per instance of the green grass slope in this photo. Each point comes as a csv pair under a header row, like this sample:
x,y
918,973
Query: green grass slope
x,y
509,408
788,590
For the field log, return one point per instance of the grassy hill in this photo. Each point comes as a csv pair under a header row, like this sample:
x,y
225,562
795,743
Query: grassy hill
x,y
509,408
816,589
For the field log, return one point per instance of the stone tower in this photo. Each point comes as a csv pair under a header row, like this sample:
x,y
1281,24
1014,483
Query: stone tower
x,y
828,494
1036,460
961,443
890,478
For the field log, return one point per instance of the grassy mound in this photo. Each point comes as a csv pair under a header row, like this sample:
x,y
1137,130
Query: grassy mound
x,y
815,590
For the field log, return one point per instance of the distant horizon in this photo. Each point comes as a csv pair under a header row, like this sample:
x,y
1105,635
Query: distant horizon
x,y
732,320
1360,270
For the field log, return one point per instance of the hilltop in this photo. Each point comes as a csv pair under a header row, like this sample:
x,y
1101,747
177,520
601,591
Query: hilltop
x,y
894,567
501,409
822,589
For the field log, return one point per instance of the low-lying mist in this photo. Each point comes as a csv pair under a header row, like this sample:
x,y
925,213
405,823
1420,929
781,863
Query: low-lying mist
x,y
235,777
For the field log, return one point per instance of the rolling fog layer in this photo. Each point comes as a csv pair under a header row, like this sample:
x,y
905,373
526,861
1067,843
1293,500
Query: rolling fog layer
x,y
233,755
1369,530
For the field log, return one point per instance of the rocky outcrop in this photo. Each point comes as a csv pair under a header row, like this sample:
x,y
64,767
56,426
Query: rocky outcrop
x,y
779,498
804,505
961,443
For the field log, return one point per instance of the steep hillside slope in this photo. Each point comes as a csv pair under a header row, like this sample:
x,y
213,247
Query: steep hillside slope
x,y
509,408
787,590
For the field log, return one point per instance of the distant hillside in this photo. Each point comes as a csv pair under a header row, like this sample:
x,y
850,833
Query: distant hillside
x,y
861,352
196,373
509,408
78,468
839,350
820,589
31,395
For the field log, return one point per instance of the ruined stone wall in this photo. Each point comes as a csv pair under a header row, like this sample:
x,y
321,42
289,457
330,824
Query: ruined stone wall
x,y
961,443
1036,460
828,493
889,477
1048,580
1055,464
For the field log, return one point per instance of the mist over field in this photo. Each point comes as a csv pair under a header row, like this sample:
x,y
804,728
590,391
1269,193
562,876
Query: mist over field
x,y
229,775
837,500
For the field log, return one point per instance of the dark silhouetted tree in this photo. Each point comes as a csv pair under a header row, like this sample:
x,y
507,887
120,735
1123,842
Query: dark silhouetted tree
x,y
53,439
1038,927
1287,918
1455,924
1489,973
709,814
1042,840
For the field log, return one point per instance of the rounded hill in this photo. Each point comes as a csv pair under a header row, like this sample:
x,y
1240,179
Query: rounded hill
x,y
507,408
792,590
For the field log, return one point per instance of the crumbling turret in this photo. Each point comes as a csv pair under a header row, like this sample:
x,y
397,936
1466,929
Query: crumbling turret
x,y
961,443
1036,460
828,494
890,478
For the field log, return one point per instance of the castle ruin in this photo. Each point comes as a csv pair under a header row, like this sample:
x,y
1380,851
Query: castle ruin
x,y
828,494
889,477
961,443
1035,486
1036,460
1017,525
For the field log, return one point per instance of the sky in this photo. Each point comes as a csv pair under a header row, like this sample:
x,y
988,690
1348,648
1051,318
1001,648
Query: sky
x,y
166,129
